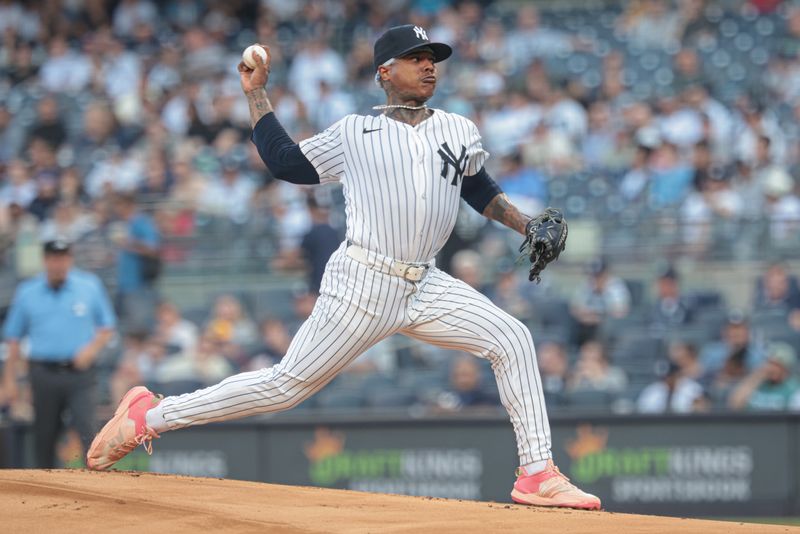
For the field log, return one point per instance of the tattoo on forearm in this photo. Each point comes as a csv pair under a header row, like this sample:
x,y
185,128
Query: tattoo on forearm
x,y
501,210
259,104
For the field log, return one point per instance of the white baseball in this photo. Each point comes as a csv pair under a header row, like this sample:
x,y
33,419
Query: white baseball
x,y
247,55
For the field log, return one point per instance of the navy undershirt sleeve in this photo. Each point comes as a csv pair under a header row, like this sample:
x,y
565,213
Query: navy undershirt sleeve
x,y
478,190
283,157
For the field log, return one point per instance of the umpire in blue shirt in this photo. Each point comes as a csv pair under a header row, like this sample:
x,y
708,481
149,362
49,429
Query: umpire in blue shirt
x,y
67,317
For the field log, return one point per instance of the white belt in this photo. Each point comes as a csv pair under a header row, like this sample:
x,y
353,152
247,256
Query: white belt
x,y
413,272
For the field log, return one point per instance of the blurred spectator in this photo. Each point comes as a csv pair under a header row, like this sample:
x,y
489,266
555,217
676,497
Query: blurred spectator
x,y
157,182
704,210
42,206
7,148
600,144
603,295
231,328
529,39
565,114
688,70
378,359
553,368
782,205
15,17
674,393
315,62
18,188
304,302
134,367
593,371
229,196
671,308
686,357
188,186
137,240
695,25
65,70
772,386
465,389
99,137
778,296
777,292
319,243
506,121
205,364
71,190
49,126
511,292
650,24
680,125
637,179
467,266
523,185
735,348
717,122
130,13
550,149
671,177
330,105
749,188
69,222
173,331
290,219
273,345
788,46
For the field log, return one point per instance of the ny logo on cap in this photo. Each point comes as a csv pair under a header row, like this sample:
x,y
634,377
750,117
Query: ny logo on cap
x,y
420,33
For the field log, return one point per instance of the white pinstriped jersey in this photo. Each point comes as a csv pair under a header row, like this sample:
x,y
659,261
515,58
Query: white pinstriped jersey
x,y
401,183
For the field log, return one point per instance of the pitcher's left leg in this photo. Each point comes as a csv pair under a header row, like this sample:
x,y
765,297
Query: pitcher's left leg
x,y
450,314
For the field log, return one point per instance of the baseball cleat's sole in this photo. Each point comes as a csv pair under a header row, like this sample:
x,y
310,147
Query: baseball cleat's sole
x,y
534,500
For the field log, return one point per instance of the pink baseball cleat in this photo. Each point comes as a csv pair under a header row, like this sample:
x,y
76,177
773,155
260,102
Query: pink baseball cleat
x,y
551,488
125,431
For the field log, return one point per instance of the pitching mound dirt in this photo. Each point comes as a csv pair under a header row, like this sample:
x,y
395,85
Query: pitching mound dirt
x,y
88,502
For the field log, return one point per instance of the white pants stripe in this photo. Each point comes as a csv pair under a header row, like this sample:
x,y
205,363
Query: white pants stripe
x,y
359,307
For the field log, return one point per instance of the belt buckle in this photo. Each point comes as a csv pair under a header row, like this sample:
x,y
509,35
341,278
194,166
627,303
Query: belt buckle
x,y
416,274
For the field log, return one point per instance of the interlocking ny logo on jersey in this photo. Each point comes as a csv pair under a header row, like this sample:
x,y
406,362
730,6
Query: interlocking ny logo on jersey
x,y
449,159
420,33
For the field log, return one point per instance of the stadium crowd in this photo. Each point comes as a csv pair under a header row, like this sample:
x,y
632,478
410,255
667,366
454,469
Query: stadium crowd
x,y
673,124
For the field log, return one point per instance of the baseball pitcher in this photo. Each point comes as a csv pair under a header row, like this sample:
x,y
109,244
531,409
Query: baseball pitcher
x,y
403,174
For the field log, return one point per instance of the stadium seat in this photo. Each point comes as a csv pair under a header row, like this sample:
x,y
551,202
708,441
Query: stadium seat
x,y
426,384
392,397
339,399
590,401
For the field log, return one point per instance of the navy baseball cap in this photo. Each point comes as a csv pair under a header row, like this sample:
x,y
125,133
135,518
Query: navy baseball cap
x,y
56,246
402,40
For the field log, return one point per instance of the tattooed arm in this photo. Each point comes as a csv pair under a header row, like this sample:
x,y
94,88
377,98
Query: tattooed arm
x,y
282,156
253,82
259,104
501,209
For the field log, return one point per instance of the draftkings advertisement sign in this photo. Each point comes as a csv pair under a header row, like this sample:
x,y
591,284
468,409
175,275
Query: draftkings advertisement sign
x,y
412,461
681,468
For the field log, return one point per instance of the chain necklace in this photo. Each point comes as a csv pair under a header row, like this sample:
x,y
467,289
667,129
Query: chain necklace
x,y
400,106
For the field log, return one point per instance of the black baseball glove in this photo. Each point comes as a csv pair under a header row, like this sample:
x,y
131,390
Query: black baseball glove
x,y
545,239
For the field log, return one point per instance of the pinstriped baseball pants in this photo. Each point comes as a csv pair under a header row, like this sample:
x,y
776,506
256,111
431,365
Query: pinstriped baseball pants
x,y
359,307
